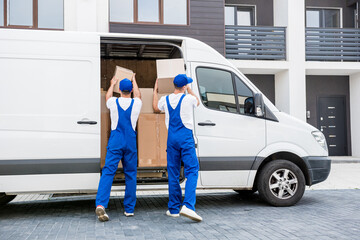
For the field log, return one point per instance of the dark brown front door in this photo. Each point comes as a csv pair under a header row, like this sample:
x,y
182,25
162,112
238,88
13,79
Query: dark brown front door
x,y
332,122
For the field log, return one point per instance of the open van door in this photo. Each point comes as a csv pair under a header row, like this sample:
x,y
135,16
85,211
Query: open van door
x,y
49,111
229,134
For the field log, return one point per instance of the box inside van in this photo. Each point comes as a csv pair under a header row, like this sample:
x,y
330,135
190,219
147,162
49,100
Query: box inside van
x,y
142,59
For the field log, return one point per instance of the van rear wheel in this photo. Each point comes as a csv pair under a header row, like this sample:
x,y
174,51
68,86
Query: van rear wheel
x,y
4,199
281,183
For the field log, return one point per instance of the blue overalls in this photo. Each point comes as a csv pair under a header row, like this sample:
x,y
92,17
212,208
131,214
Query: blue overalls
x,y
121,145
180,147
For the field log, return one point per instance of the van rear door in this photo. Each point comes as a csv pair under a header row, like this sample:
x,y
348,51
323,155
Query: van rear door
x,y
229,135
49,111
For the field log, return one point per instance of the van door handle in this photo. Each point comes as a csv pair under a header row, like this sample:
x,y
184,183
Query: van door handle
x,y
206,124
87,122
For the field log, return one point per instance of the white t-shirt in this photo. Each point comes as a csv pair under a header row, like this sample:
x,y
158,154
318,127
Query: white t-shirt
x,y
186,110
124,104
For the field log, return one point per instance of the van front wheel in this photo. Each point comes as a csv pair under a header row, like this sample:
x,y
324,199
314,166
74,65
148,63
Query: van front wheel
x,y
281,183
4,199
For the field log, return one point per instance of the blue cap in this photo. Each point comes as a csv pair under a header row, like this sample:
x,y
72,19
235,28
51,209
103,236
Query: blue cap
x,y
181,80
126,85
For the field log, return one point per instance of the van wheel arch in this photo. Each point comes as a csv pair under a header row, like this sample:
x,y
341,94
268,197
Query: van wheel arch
x,y
285,156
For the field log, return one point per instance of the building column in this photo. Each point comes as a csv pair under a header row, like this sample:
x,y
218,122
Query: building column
x,y
290,88
355,113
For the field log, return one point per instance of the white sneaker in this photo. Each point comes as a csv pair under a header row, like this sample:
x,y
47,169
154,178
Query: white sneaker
x,y
186,212
168,213
100,212
128,214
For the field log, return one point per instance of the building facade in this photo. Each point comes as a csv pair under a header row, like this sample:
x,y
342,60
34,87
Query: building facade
x,y
303,55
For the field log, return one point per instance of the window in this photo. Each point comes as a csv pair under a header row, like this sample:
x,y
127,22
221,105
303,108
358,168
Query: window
x,y
240,15
323,18
50,14
175,12
217,91
2,13
20,12
245,97
38,14
121,10
149,11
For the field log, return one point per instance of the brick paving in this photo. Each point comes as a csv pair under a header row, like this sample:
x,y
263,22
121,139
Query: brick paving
x,y
321,214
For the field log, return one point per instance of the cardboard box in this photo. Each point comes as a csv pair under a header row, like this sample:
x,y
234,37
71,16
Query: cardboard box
x,y
163,134
147,100
152,139
166,85
167,69
147,140
120,74
105,130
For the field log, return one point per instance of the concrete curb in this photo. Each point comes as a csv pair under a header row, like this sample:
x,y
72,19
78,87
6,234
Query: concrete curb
x,y
344,161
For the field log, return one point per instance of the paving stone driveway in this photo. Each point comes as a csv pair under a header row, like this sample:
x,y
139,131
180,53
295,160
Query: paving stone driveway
x,y
321,214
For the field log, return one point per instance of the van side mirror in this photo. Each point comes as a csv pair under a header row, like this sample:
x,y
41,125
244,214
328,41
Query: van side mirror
x,y
259,105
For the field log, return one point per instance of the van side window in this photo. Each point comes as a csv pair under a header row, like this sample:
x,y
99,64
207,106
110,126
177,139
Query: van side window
x,y
216,89
245,96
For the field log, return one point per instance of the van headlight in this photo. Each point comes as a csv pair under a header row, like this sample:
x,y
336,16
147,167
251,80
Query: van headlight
x,y
320,138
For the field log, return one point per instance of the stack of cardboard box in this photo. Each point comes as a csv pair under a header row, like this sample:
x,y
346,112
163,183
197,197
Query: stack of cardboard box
x,y
105,127
152,132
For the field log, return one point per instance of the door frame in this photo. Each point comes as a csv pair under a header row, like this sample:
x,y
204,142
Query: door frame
x,y
235,178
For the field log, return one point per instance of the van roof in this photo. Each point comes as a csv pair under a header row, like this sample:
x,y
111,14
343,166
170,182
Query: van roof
x,y
195,50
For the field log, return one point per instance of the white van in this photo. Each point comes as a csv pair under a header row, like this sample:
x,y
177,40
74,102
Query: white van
x,y
50,118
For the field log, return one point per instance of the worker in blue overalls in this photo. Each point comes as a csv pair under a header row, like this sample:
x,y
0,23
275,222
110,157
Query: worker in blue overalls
x,y
178,108
124,113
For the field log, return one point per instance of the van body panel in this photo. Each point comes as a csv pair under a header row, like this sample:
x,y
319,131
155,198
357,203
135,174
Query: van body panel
x,y
229,178
282,147
55,76
78,183
292,131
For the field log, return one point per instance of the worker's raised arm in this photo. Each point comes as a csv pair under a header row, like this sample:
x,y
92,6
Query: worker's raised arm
x,y
156,98
193,94
110,91
137,93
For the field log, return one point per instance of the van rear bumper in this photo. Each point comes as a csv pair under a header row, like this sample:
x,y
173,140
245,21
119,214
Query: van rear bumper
x,y
318,169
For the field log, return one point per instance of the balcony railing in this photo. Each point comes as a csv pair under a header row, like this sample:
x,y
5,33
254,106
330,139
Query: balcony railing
x,y
253,43
332,44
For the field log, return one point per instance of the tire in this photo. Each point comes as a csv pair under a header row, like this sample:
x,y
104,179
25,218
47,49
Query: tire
x,y
4,199
281,183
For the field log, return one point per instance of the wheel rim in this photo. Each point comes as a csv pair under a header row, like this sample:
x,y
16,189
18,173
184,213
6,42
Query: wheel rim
x,y
283,183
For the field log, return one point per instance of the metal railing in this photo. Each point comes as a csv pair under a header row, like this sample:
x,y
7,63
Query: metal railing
x,y
255,43
332,44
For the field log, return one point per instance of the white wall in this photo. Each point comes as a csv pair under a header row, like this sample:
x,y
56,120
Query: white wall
x,y
355,113
290,89
86,15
